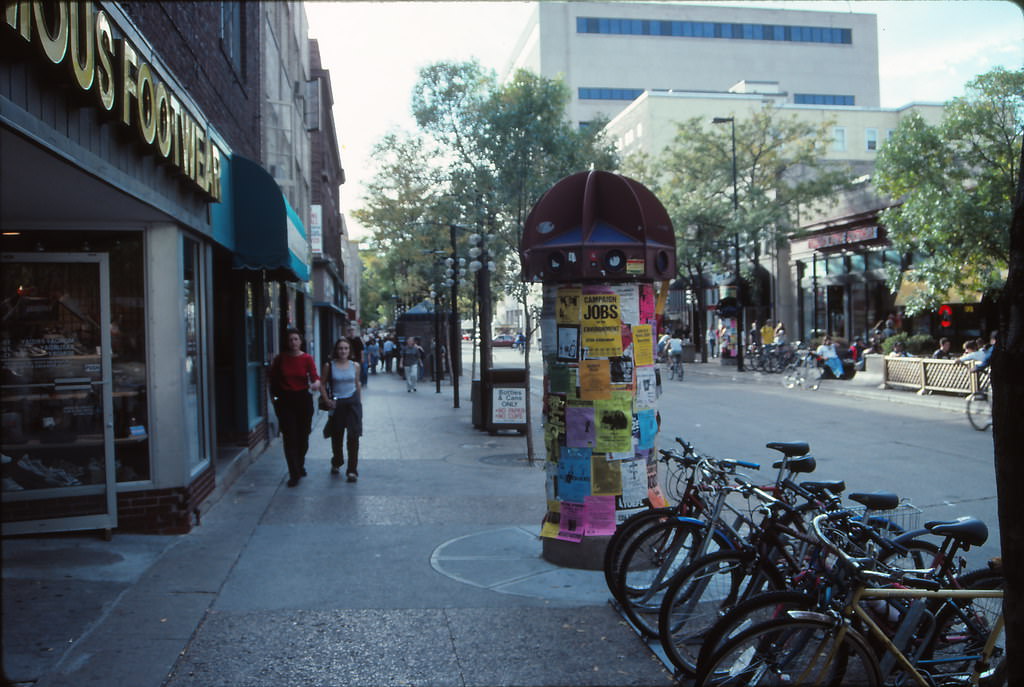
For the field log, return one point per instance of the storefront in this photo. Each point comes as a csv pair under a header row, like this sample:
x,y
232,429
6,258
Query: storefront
x,y
120,250
840,269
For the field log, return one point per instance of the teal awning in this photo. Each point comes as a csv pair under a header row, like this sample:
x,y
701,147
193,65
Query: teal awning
x,y
258,224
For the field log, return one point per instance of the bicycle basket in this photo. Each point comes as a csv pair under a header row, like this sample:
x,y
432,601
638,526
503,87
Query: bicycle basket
x,y
902,518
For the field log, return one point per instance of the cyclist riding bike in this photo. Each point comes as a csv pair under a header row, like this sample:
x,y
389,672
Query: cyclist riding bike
x,y
675,351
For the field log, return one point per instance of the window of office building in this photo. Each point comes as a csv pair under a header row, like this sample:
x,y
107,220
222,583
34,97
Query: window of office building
x,y
610,93
871,139
707,29
839,139
823,99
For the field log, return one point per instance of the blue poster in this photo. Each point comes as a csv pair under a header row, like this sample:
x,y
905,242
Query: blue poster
x,y
574,474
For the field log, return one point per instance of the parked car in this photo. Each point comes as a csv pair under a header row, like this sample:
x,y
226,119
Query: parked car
x,y
505,340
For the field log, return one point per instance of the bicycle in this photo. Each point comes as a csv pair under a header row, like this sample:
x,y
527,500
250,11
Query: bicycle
x,y
945,637
979,403
649,558
817,588
676,370
777,555
804,371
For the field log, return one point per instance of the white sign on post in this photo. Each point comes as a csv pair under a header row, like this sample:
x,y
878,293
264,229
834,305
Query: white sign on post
x,y
508,406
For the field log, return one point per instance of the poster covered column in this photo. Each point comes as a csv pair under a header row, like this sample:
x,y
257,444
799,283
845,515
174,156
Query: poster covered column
x,y
598,241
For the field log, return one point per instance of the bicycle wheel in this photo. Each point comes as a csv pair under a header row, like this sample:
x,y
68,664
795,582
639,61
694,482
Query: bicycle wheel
x,y
624,535
812,376
962,629
787,651
979,411
755,610
702,592
790,377
651,562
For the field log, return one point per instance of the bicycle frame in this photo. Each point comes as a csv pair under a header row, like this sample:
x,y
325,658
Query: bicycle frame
x,y
854,609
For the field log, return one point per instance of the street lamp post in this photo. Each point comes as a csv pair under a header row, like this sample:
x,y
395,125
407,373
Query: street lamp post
x,y
482,266
436,297
736,244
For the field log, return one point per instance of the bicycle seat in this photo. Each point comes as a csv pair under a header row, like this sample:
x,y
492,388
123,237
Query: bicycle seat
x,y
790,448
832,486
965,530
805,464
877,500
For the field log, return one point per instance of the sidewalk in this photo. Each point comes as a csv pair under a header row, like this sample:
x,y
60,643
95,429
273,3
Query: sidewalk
x,y
864,385
425,572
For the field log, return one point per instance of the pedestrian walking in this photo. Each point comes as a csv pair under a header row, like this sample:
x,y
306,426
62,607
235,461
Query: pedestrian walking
x,y
356,342
410,360
388,353
292,377
340,392
373,354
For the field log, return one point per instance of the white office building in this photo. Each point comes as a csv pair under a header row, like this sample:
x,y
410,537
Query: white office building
x,y
608,53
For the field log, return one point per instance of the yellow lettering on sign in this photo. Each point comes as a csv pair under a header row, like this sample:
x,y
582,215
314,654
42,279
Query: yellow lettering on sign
x,y
19,17
83,67
54,45
146,104
104,60
77,34
129,87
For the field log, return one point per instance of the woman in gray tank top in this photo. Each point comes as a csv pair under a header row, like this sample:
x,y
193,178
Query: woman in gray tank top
x,y
341,393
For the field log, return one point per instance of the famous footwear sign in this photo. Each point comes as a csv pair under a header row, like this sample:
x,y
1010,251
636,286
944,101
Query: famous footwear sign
x,y
100,59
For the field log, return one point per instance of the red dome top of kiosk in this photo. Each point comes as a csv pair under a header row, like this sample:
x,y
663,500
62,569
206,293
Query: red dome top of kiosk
x,y
598,226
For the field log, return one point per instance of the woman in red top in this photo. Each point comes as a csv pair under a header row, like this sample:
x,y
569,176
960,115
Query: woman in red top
x,y
292,376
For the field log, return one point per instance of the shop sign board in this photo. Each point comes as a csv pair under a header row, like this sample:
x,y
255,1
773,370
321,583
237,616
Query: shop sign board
x,y
99,60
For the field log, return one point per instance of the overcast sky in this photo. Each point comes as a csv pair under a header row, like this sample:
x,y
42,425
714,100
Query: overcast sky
x,y
927,51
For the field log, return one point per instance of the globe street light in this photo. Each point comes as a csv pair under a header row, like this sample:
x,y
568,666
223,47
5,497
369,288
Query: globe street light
x,y
736,243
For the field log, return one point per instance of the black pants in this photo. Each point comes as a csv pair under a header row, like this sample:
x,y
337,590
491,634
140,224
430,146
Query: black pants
x,y
295,416
339,423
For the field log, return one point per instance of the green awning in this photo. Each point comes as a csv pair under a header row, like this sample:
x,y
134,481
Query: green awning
x,y
268,234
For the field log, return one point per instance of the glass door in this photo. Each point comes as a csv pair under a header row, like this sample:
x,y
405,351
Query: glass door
x,y
56,397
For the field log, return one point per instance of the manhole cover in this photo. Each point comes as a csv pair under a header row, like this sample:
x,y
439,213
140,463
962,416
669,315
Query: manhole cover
x,y
506,460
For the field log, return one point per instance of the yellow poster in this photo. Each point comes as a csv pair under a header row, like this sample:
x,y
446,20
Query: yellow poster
x,y
643,345
567,306
614,419
600,320
595,380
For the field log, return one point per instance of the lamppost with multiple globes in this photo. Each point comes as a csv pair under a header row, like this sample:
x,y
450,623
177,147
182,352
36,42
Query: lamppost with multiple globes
x,y
482,266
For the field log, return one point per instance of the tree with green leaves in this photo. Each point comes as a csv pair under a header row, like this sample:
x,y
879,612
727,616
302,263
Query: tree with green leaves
x,y
779,174
485,152
953,185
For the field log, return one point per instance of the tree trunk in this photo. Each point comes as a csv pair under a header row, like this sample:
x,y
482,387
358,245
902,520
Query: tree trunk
x,y
1008,438
528,330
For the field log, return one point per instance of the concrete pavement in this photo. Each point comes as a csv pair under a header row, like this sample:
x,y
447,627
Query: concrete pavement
x,y
425,572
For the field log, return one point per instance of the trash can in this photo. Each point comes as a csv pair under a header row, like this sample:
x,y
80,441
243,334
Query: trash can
x,y
505,392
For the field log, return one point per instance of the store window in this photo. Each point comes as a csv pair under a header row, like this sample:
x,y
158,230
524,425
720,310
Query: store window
x,y
60,344
197,453
253,353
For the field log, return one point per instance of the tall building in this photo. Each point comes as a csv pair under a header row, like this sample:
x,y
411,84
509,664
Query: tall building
x,y
327,228
608,53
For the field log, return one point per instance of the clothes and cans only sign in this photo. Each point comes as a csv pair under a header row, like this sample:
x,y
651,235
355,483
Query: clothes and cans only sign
x,y
508,405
